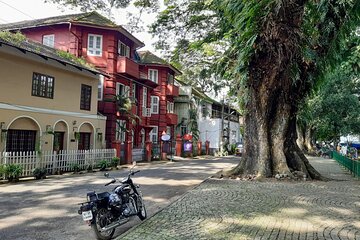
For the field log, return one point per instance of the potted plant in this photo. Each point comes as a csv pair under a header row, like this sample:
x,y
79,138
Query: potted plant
x,y
13,172
114,162
39,173
103,164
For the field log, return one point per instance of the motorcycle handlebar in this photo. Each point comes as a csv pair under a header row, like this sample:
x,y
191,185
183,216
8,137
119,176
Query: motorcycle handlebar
x,y
112,181
132,173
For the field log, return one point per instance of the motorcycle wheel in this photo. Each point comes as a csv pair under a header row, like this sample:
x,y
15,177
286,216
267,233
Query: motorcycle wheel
x,y
142,214
100,221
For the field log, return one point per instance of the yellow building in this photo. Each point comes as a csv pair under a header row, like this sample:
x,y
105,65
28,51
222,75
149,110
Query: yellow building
x,y
47,102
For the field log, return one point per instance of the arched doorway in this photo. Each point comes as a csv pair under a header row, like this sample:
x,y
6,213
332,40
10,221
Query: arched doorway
x,y
60,136
22,135
86,140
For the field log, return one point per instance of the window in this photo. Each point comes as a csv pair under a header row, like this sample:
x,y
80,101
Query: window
x,y
20,140
183,130
95,45
122,90
85,100
120,130
170,107
154,134
170,79
101,88
49,40
123,49
154,75
168,130
154,105
42,85
204,110
144,100
133,92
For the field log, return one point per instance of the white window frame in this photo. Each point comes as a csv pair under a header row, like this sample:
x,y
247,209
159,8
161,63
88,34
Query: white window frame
x,y
126,49
144,100
94,50
154,134
153,75
170,107
49,40
154,105
101,87
125,90
133,90
120,135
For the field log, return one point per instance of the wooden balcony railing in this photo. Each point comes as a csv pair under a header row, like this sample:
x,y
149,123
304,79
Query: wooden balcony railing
x,y
172,90
127,66
171,119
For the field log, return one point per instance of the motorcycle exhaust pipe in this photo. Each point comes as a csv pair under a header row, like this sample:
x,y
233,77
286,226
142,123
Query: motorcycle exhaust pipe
x,y
116,224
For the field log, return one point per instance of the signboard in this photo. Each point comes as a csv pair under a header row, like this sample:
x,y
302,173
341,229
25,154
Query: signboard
x,y
187,147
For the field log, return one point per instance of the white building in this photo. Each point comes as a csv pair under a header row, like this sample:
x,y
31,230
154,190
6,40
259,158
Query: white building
x,y
215,120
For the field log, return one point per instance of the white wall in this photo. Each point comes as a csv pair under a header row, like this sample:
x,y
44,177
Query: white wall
x,y
210,130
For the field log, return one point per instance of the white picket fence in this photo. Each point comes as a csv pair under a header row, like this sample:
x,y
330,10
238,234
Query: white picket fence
x,y
63,161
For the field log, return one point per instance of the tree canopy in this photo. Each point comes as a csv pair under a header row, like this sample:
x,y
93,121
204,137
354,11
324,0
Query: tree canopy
x,y
333,109
272,53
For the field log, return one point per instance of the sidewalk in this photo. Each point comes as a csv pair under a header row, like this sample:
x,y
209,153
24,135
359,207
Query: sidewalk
x,y
233,209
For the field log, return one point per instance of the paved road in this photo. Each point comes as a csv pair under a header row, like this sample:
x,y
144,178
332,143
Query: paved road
x,y
271,209
47,209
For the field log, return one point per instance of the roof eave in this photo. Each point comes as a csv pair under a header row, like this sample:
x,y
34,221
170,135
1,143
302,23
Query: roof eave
x,y
92,71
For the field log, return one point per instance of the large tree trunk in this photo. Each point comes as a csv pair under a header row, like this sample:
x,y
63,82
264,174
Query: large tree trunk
x,y
273,96
300,130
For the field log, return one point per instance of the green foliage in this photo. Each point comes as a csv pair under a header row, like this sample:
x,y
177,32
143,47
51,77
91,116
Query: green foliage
x,y
12,171
15,38
115,161
39,173
2,169
73,58
75,167
103,164
333,109
90,5
193,124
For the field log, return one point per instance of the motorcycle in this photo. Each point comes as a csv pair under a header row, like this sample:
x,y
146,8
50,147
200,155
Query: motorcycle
x,y
107,210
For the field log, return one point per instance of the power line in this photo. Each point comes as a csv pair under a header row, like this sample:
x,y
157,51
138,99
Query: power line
x,y
61,44
17,9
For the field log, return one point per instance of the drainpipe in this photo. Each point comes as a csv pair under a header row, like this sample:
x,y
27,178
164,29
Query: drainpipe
x,y
79,40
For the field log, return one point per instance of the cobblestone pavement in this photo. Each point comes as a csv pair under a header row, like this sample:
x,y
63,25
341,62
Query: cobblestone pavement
x,y
234,209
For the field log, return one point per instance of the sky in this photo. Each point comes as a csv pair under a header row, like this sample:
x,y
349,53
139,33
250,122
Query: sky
x,y
20,10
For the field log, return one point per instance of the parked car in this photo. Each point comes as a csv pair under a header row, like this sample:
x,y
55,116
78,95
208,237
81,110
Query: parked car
x,y
239,148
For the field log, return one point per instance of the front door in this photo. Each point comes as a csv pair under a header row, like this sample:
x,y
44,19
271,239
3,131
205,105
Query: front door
x,y
84,141
58,141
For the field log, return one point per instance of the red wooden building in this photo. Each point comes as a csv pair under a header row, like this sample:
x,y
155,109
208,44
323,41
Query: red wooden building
x,y
146,79
163,118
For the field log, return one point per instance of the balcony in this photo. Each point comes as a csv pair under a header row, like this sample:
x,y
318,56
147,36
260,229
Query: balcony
x,y
171,119
127,66
172,90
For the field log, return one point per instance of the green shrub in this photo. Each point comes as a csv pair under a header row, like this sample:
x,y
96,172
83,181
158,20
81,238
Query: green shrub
x,y
75,167
103,164
39,173
13,172
115,161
